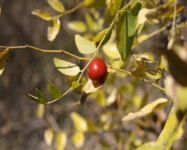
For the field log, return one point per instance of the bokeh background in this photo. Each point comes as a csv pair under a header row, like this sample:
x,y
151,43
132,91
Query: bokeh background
x,y
20,129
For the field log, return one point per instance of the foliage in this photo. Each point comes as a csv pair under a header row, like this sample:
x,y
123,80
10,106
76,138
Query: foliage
x,y
125,22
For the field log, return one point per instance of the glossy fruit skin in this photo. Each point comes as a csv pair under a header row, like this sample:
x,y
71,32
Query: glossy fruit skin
x,y
97,71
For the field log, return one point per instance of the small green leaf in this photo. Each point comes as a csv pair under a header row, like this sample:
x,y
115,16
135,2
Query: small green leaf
x,y
48,136
100,36
114,6
78,139
75,85
61,140
111,50
54,91
77,26
66,68
79,122
57,5
42,14
154,74
84,46
36,99
41,98
90,22
94,3
149,108
172,130
53,29
4,57
151,146
147,56
40,110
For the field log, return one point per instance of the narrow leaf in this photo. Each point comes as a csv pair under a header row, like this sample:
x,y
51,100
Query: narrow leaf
x,y
57,5
149,108
48,136
40,96
90,22
172,130
40,111
66,68
79,122
42,14
54,91
61,140
53,29
78,139
77,26
4,58
84,46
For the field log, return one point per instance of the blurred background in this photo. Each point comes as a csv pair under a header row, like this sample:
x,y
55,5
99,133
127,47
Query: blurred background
x,y
20,128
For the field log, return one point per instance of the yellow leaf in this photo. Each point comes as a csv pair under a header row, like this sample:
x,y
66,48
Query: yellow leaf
x,y
53,29
61,140
57,5
42,14
111,50
78,139
149,108
48,136
40,110
77,26
79,122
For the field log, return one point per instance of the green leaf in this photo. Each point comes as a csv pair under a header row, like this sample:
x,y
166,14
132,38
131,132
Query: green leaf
x,y
114,6
172,130
48,136
42,14
57,5
75,85
77,26
36,99
154,74
66,68
40,110
4,57
53,29
54,91
78,139
111,51
61,140
149,108
101,100
147,56
79,122
151,146
41,98
90,22
84,46
94,3
100,36
125,29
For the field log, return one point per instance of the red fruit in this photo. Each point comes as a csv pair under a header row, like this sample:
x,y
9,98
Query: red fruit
x,y
97,71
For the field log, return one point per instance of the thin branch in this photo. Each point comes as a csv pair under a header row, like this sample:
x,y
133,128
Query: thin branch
x,y
145,80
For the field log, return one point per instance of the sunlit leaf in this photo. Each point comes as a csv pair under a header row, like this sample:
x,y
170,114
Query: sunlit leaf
x,y
149,108
48,136
154,74
78,139
112,97
79,122
57,5
163,64
61,140
40,96
101,100
125,29
42,14
4,58
40,111
54,91
94,3
111,50
90,22
140,39
53,29
75,85
147,56
77,26
151,146
172,130
84,46
66,68
100,36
